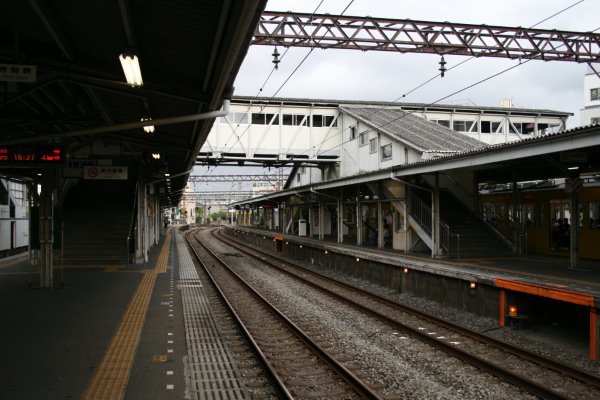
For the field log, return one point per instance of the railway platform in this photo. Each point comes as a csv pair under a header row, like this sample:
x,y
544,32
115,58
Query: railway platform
x,y
102,332
517,291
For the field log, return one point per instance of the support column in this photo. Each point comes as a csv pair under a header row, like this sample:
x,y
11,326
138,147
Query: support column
x,y
515,211
573,234
379,225
321,219
594,333
358,221
340,217
502,320
46,229
435,209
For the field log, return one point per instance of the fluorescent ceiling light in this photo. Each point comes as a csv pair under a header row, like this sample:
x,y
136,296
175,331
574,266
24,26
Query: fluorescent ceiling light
x,y
573,168
148,128
131,68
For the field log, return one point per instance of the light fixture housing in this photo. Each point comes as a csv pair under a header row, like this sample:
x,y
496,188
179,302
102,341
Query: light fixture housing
x,y
148,128
131,68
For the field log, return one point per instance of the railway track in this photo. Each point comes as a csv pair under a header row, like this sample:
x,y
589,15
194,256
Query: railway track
x,y
298,366
540,376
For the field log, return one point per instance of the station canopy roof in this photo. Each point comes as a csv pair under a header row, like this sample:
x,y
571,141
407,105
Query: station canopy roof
x,y
61,81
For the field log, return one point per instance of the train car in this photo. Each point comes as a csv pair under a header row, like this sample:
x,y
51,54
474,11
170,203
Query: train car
x,y
543,218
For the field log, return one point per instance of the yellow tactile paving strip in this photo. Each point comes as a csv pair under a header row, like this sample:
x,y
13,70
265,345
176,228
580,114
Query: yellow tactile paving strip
x,y
161,264
112,375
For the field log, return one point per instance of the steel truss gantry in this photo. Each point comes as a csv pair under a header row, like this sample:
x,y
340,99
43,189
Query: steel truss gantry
x,y
271,178
407,36
222,198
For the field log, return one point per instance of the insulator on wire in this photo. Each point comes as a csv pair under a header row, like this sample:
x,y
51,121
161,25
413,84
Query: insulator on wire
x,y
276,59
442,66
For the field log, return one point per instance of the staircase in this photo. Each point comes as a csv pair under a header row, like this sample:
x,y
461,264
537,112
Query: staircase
x,y
476,238
97,216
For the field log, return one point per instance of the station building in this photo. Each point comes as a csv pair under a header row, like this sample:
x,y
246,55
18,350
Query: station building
x,y
590,113
354,184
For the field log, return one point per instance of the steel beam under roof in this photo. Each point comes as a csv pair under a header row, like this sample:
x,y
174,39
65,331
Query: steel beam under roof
x,y
234,178
408,36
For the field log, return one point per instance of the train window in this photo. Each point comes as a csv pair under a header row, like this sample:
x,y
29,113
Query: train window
x,y
594,214
529,215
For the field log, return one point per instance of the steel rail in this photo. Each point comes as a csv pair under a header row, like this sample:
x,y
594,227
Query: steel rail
x,y
267,365
351,379
530,385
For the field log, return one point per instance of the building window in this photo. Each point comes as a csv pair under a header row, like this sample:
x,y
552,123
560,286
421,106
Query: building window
x,y
386,152
595,94
373,145
462,126
294,119
238,117
443,122
298,178
515,127
303,170
322,120
265,119
595,121
362,138
353,132
490,127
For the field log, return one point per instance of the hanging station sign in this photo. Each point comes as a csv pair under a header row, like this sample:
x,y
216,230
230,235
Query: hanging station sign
x,y
112,172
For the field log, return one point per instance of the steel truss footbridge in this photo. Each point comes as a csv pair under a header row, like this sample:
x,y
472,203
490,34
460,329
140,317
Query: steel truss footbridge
x,y
260,136
274,135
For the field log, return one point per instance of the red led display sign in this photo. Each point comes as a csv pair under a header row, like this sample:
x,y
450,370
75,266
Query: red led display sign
x,y
29,156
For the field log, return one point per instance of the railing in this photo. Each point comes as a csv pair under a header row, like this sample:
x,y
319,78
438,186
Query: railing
x,y
420,211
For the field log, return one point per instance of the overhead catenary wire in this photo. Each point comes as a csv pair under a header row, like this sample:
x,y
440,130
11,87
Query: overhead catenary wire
x,y
453,93
428,81
286,80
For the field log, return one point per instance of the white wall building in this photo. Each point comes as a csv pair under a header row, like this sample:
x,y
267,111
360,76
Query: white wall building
x,y
269,131
590,113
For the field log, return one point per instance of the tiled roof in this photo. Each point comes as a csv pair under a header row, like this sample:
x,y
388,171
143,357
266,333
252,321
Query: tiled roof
x,y
415,131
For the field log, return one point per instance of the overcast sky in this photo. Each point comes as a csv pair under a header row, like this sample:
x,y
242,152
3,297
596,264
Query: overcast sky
x,y
386,76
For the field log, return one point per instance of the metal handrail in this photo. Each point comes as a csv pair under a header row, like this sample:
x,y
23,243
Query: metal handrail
x,y
420,211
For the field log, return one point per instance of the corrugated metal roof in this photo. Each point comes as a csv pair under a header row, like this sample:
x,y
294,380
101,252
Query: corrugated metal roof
x,y
407,106
415,131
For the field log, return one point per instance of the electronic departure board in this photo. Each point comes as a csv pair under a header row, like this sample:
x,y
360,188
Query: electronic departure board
x,y
31,156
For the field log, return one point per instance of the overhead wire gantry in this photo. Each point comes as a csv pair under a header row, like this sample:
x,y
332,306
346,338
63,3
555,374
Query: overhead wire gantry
x,y
290,29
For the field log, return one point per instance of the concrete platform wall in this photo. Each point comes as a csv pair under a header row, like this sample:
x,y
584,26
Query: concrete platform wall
x,y
484,300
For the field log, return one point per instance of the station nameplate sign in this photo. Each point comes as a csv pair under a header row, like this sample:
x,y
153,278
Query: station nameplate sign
x,y
113,172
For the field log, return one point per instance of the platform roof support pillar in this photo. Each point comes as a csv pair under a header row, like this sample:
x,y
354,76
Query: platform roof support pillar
x,y
502,316
359,225
380,237
574,231
594,333
321,218
46,229
515,207
435,220
340,216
